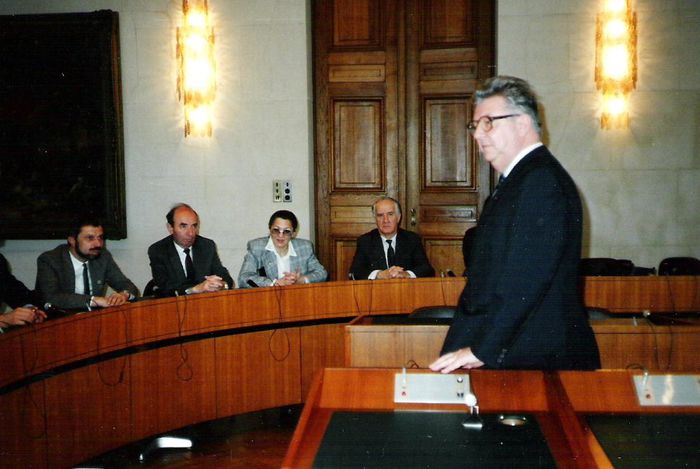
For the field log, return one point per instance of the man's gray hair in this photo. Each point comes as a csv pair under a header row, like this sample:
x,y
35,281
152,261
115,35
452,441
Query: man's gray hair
x,y
516,91
397,205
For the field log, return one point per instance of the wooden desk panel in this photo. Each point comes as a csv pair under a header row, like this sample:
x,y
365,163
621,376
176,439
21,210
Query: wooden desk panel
x,y
143,334
668,294
628,342
23,427
623,343
57,342
259,370
172,387
391,346
88,409
610,391
321,346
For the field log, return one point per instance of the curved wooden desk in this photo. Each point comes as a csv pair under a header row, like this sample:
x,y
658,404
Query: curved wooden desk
x,y
78,386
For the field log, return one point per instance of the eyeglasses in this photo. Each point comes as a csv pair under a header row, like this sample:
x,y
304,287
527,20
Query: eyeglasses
x,y
487,122
285,232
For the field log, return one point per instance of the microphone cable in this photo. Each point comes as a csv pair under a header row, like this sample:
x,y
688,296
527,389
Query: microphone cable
x,y
277,290
184,371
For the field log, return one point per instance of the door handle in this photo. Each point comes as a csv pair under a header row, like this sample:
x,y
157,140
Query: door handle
x,y
413,217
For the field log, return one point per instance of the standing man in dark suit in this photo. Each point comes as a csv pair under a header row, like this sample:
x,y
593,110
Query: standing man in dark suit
x,y
76,275
184,262
521,307
389,251
17,296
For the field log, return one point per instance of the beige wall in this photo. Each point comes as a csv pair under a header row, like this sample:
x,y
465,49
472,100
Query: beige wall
x,y
639,186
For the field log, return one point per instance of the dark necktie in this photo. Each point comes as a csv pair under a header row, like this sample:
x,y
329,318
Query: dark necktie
x,y
501,178
189,267
389,254
86,280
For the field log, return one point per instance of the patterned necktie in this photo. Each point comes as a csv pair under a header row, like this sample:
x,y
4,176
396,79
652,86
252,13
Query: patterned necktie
x,y
389,254
86,280
189,266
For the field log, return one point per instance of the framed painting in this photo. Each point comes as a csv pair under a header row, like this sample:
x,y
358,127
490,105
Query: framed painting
x,y
61,131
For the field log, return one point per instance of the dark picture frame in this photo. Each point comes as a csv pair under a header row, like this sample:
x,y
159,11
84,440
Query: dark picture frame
x,y
61,130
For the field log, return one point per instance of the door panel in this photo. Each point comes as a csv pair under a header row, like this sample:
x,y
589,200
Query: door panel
x,y
357,155
447,162
393,82
449,49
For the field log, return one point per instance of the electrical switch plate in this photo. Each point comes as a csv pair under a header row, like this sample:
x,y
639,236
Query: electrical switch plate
x,y
281,191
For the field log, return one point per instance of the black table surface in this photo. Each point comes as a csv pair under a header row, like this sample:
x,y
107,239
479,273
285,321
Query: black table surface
x,y
648,441
430,440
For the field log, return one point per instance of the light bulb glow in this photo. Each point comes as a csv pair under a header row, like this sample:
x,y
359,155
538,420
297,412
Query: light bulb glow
x,y
616,61
197,69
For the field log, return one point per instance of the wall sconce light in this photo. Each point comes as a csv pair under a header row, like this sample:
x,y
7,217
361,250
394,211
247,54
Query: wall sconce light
x,y
616,61
196,81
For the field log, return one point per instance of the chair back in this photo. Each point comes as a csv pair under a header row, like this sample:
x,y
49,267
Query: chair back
x,y
434,312
605,266
150,288
679,266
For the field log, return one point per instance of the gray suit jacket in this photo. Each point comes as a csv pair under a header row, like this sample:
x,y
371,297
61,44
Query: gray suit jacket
x,y
260,265
55,278
167,270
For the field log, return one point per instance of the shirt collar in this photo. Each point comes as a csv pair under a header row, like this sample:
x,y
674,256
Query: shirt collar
x,y
180,249
270,246
77,263
522,154
393,238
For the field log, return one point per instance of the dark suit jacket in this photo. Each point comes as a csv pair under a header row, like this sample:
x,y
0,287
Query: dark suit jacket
x,y
409,254
12,291
521,306
167,270
55,278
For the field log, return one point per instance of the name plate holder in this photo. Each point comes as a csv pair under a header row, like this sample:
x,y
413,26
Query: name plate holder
x,y
431,388
667,390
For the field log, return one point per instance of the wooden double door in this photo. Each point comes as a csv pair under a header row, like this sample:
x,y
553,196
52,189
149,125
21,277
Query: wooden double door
x,y
393,82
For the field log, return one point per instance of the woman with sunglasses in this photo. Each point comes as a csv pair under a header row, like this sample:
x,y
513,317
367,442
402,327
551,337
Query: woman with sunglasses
x,y
280,259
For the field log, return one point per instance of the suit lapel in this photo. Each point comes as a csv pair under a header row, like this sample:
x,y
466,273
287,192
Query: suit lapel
x,y
96,268
68,270
175,264
378,250
401,248
270,264
295,262
197,258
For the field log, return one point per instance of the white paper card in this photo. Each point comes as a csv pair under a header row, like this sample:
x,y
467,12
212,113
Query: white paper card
x,y
668,390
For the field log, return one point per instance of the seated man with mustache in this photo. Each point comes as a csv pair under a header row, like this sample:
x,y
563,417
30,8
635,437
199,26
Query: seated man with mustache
x,y
76,275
